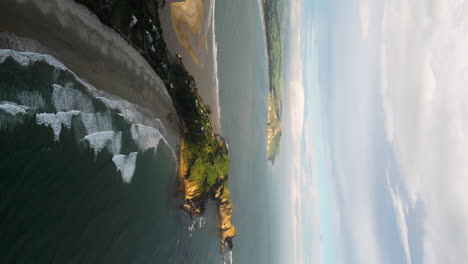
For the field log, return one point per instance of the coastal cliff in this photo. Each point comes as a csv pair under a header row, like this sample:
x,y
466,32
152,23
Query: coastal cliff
x,y
203,174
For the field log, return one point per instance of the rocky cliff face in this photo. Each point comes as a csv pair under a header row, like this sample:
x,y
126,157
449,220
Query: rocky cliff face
x,y
228,231
195,197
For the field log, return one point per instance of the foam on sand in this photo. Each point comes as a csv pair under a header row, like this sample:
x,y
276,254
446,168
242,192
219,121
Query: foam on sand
x,y
126,165
132,113
27,58
110,140
148,137
215,63
145,137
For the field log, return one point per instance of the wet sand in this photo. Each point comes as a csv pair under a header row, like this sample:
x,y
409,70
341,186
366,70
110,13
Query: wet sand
x,y
186,19
203,47
93,51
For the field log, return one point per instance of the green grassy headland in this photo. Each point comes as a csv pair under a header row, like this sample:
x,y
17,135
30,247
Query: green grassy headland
x,y
272,16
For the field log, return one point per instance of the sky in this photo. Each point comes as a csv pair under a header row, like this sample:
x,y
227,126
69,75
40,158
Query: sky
x,y
380,131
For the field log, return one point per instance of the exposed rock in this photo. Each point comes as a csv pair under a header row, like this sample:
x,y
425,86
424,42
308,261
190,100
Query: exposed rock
x,y
219,192
228,231
195,198
191,190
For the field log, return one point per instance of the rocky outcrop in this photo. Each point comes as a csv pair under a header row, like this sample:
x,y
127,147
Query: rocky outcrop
x,y
191,197
195,196
228,231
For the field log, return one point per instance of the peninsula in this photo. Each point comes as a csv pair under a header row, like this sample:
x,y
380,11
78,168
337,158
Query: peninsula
x,y
272,16
203,155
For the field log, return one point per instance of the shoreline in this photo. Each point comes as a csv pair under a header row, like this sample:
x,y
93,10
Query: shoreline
x,y
262,18
205,72
94,52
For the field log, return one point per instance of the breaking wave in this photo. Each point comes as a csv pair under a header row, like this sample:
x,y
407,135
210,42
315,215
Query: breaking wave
x,y
96,118
126,165
110,140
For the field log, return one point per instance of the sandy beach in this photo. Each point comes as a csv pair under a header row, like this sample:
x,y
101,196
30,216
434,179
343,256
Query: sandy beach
x,y
94,52
201,45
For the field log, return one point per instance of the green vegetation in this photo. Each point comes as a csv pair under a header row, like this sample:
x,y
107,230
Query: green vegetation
x,y
272,12
205,154
210,169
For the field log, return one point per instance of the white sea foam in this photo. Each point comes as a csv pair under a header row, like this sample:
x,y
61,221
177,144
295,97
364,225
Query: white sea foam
x,y
215,63
26,58
66,99
145,137
227,255
199,222
126,165
32,99
131,112
93,123
12,108
110,140
13,115
56,121
148,137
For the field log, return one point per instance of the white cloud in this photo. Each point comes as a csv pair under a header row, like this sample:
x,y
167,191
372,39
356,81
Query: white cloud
x,y
364,16
401,210
424,65
296,84
354,168
294,96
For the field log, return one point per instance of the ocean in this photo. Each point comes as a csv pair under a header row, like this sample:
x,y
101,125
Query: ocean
x,y
243,85
87,177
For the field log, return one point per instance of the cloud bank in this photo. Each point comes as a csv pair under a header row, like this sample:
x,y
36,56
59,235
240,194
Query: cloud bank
x,y
424,78
365,17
